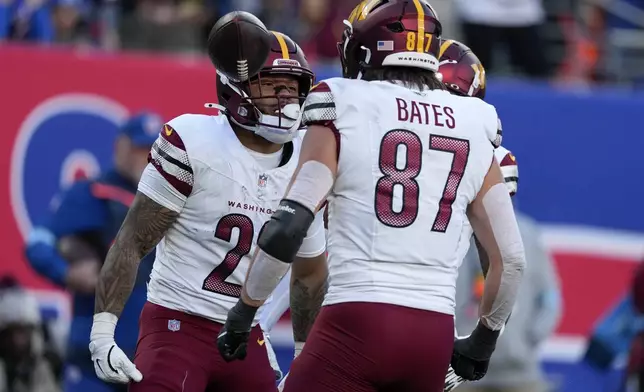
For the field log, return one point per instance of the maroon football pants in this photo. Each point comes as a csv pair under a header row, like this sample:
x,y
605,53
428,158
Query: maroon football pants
x,y
177,352
373,347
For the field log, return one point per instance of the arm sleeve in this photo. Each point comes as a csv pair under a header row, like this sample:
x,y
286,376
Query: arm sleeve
x,y
78,212
277,305
315,242
496,306
169,178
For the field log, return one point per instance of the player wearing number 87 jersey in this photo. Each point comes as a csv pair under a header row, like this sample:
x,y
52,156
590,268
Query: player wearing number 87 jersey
x,y
211,184
404,165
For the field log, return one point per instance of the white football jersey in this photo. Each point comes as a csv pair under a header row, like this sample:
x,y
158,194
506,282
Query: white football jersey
x,y
410,163
199,169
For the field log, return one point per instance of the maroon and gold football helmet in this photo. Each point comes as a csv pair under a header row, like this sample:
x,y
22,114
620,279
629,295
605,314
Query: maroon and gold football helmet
x,y
240,106
383,33
462,71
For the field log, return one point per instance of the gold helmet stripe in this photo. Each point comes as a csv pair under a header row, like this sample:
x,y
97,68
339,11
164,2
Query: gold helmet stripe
x,y
444,47
282,42
421,28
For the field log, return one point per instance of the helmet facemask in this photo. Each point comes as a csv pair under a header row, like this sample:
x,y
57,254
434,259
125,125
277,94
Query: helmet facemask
x,y
269,104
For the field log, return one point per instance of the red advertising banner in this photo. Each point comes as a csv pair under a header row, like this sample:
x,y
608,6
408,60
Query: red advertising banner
x,y
60,112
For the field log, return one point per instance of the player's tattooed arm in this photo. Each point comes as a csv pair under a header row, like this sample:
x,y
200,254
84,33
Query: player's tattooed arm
x,y
309,285
144,226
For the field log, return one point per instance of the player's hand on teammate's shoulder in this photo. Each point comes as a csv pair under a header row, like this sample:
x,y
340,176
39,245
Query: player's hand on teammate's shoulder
x,y
110,362
471,355
232,341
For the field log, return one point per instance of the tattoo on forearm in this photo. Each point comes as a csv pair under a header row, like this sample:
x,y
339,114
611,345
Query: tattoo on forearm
x,y
305,305
144,226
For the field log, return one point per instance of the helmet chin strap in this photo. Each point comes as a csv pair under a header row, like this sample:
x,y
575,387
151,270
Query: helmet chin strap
x,y
365,63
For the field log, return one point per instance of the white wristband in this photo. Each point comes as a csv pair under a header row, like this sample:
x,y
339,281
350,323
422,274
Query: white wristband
x,y
103,326
298,348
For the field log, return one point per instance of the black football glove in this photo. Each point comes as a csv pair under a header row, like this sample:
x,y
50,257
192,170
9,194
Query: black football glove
x,y
471,355
233,337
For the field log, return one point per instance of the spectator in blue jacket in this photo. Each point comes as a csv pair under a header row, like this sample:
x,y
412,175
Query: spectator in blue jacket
x,y
26,20
70,249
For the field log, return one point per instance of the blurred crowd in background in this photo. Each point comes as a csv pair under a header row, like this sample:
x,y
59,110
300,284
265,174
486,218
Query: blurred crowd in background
x,y
580,41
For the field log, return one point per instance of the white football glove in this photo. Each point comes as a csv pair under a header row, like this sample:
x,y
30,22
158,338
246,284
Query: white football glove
x,y
452,381
298,349
110,362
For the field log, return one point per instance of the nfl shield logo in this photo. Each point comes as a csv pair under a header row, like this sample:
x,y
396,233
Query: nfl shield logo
x,y
174,325
261,181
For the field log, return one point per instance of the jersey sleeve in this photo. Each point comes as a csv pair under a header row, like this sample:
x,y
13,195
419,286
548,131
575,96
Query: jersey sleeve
x,y
169,177
493,126
498,137
320,106
509,168
315,242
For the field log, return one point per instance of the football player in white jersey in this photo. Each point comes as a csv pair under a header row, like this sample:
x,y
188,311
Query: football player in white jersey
x,y
211,185
462,74
404,164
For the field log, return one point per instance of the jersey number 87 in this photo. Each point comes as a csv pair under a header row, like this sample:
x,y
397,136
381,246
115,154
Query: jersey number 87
x,y
406,177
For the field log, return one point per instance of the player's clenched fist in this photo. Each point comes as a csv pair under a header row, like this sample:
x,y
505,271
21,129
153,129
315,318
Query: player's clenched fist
x,y
232,341
110,362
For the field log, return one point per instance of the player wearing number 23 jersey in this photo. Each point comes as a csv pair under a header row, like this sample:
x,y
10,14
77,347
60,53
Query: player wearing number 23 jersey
x,y
404,165
211,184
